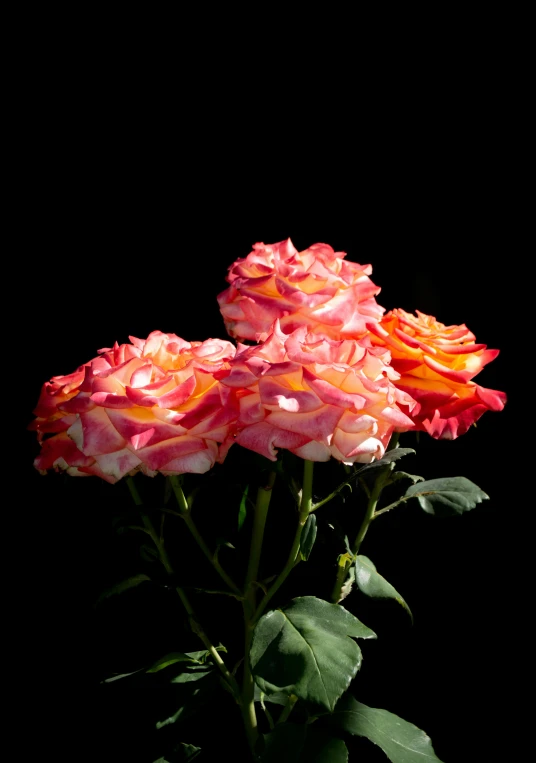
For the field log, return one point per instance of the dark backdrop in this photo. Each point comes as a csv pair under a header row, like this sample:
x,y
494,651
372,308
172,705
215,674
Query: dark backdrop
x,y
128,231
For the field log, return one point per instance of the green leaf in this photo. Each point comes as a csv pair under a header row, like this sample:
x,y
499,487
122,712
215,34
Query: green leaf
x,y
284,744
122,529
370,582
188,676
148,553
396,476
192,495
171,659
197,660
277,698
447,496
118,676
187,752
242,511
183,753
173,718
322,747
124,585
201,655
293,743
308,537
388,458
220,541
193,697
307,649
401,741
204,654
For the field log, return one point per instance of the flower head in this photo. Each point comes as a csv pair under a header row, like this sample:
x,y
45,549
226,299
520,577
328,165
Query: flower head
x,y
317,397
437,364
154,405
316,288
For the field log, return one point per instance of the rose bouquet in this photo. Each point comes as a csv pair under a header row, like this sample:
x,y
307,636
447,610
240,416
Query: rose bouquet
x,y
300,418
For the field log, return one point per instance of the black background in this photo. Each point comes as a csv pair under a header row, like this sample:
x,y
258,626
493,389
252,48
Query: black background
x,y
129,207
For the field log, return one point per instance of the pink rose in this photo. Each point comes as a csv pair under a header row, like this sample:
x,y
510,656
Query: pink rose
x,y
436,364
317,397
154,405
316,288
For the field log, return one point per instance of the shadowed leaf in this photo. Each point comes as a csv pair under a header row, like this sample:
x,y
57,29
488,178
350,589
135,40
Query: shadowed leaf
x,y
308,649
397,476
183,753
124,585
447,496
293,743
388,458
370,582
187,676
308,537
401,741
242,511
194,696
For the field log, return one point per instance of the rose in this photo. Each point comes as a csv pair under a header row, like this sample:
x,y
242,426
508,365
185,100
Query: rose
x,y
317,397
316,288
436,364
154,405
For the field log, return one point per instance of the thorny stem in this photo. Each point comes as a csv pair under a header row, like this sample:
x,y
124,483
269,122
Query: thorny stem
x,y
186,514
192,619
393,505
262,504
346,560
293,557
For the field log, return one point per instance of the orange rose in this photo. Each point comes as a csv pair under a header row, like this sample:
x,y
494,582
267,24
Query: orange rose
x,y
154,405
316,288
436,364
317,397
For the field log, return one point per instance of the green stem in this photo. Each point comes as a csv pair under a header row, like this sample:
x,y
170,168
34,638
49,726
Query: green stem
x,y
186,514
267,713
192,619
293,557
288,708
262,504
346,483
134,491
333,493
393,505
346,561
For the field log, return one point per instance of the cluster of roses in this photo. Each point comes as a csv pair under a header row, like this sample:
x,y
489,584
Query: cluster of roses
x,y
325,374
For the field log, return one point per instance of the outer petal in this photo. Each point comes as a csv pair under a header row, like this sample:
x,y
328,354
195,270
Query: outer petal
x,y
263,437
117,464
94,434
156,456
313,451
198,462
60,452
316,425
436,364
